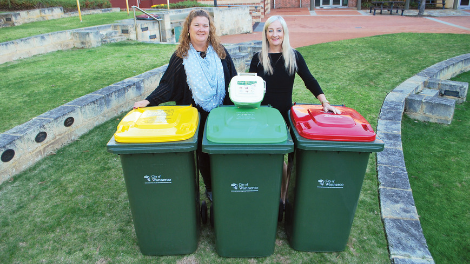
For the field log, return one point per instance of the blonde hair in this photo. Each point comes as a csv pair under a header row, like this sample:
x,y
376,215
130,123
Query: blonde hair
x,y
182,50
287,51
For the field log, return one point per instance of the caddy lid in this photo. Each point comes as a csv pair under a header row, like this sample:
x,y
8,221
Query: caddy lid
x,y
246,90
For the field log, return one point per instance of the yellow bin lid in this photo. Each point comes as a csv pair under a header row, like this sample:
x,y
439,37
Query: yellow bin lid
x,y
158,124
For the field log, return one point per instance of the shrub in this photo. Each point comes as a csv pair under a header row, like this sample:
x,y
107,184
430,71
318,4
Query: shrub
x,y
184,4
68,5
366,5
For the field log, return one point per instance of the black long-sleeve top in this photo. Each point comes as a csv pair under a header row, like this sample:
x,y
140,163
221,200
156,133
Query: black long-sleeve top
x,y
173,85
280,84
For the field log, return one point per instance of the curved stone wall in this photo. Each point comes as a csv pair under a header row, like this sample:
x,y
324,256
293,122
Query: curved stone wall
x,y
24,145
406,242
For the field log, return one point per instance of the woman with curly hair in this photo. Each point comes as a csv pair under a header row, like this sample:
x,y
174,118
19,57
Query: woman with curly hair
x,y
198,74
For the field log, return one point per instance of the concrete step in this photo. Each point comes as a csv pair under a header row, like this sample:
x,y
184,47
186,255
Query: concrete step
x,y
430,108
436,102
109,33
113,40
429,92
450,89
6,20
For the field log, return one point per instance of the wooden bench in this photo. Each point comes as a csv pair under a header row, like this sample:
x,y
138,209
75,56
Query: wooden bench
x,y
388,6
433,3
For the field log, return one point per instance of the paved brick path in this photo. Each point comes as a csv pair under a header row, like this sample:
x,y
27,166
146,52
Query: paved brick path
x,y
320,26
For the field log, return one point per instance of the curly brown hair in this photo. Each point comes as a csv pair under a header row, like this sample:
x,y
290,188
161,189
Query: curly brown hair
x,y
182,50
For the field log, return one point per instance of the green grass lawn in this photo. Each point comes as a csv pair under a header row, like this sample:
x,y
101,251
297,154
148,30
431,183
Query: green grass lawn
x,y
72,206
53,25
56,78
438,163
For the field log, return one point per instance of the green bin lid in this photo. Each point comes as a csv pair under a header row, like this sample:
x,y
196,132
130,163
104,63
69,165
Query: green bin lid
x,y
250,149
230,124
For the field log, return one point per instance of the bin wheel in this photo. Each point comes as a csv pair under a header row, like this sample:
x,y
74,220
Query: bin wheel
x,y
204,212
281,211
212,215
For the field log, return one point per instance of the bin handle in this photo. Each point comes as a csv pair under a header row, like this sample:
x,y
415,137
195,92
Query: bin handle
x,y
247,74
310,114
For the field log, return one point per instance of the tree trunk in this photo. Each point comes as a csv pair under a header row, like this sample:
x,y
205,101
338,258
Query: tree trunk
x,y
359,4
407,4
421,8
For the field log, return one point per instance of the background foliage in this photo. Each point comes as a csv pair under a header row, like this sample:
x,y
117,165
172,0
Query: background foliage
x,y
68,5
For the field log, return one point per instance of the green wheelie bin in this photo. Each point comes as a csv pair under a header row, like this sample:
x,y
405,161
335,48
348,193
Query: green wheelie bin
x,y
246,148
246,144
330,161
157,147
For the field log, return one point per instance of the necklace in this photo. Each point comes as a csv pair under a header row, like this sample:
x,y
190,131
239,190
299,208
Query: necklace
x,y
277,60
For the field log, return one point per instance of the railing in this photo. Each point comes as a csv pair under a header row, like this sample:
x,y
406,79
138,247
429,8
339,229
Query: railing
x,y
158,20
255,6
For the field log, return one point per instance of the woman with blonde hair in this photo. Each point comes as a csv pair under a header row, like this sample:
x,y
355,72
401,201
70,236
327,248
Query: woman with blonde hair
x,y
277,63
198,74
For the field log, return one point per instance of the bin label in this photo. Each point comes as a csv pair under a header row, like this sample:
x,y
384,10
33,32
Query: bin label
x,y
329,184
155,179
244,116
243,187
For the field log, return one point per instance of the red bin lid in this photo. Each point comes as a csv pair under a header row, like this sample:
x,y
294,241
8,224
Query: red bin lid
x,y
312,123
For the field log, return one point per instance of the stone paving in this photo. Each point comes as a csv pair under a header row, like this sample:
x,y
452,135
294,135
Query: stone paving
x,y
333,25
438,12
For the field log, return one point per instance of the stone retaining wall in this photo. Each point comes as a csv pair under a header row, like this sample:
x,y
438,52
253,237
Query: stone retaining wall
x,y
257,8
21,17
406,242
61,40
24,145
228,21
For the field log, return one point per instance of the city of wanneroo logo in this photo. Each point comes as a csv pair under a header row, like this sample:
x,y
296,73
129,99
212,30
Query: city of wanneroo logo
x,y
243,187
329,184
155,179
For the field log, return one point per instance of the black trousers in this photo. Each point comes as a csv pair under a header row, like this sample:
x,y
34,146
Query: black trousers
x,y
203,159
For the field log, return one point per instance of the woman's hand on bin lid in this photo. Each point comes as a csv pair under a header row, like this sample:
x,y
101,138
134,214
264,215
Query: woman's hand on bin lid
x,y
141,104
328,108
326,105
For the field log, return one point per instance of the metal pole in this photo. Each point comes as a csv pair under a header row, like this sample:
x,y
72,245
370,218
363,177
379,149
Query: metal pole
x,y
135,23
79,13
150,15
